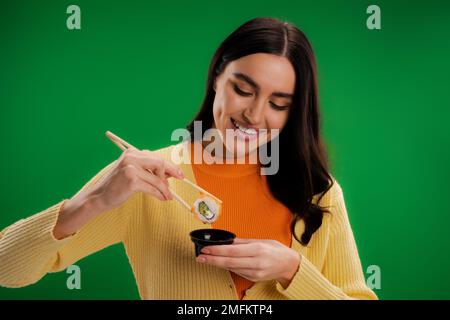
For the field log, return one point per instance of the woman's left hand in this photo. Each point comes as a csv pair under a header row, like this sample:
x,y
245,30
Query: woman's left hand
x,y
254,259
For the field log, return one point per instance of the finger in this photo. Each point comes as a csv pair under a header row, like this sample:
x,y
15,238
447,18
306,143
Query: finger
x,y
160,172
244,240
174,170
150,189
154,181
232,250
227,262
151,161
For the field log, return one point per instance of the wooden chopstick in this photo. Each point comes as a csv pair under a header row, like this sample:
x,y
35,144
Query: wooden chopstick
x,y
201,189
118,141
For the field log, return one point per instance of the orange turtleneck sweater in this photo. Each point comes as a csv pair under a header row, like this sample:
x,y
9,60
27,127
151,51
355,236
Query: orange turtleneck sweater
x,y
248,210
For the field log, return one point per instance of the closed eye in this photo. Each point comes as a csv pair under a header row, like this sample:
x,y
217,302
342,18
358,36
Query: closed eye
x,y
248,94
241,92
277,107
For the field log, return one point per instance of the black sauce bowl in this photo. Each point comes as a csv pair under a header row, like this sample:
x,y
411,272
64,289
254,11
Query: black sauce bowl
x,y
210,237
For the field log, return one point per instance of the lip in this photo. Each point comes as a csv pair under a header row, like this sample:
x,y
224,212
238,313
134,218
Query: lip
x,y
243,125
241,135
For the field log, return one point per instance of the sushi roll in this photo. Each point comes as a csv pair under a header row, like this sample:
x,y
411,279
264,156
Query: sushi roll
x,y
207,209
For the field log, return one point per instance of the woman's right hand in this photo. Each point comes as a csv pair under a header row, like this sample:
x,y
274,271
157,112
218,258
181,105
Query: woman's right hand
x,y
129,175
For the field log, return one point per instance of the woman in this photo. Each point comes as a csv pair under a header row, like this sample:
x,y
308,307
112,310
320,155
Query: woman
x,y
294,237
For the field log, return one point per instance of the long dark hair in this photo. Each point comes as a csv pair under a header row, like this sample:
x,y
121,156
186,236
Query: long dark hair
x,y
303,164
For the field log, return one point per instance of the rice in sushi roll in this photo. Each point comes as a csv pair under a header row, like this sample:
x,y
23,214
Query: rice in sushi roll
x,y
207,209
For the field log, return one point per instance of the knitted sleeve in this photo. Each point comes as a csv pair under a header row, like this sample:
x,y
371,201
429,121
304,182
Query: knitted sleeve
x,y
29,250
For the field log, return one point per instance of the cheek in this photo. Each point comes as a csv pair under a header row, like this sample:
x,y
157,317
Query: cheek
x,y
228,103
277,119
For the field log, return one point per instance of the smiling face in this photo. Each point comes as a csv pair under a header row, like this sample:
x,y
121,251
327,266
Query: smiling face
x,y
252,93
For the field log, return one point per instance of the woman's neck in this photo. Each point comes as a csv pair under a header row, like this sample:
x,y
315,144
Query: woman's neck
x,y
211,163
224,156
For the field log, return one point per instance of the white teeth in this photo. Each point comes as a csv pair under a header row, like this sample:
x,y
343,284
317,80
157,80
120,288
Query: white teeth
x,y
249,131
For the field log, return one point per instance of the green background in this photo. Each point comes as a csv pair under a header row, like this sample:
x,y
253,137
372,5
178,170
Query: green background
x,y
138,68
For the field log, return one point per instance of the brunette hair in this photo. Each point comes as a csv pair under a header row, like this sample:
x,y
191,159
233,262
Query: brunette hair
x,y
303,164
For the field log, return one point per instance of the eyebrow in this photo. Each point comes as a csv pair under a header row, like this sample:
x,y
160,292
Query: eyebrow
x,y
252,83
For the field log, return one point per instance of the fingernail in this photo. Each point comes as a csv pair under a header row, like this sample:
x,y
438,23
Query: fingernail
x,y
181,174
205,251
201,259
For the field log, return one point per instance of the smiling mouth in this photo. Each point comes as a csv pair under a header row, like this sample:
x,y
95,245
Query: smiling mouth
x,y
247,131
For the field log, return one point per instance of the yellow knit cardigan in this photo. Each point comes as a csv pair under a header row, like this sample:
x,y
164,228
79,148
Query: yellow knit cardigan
x,y
155,235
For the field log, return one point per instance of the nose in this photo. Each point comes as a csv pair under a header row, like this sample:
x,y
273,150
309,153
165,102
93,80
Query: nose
x,y
254,113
